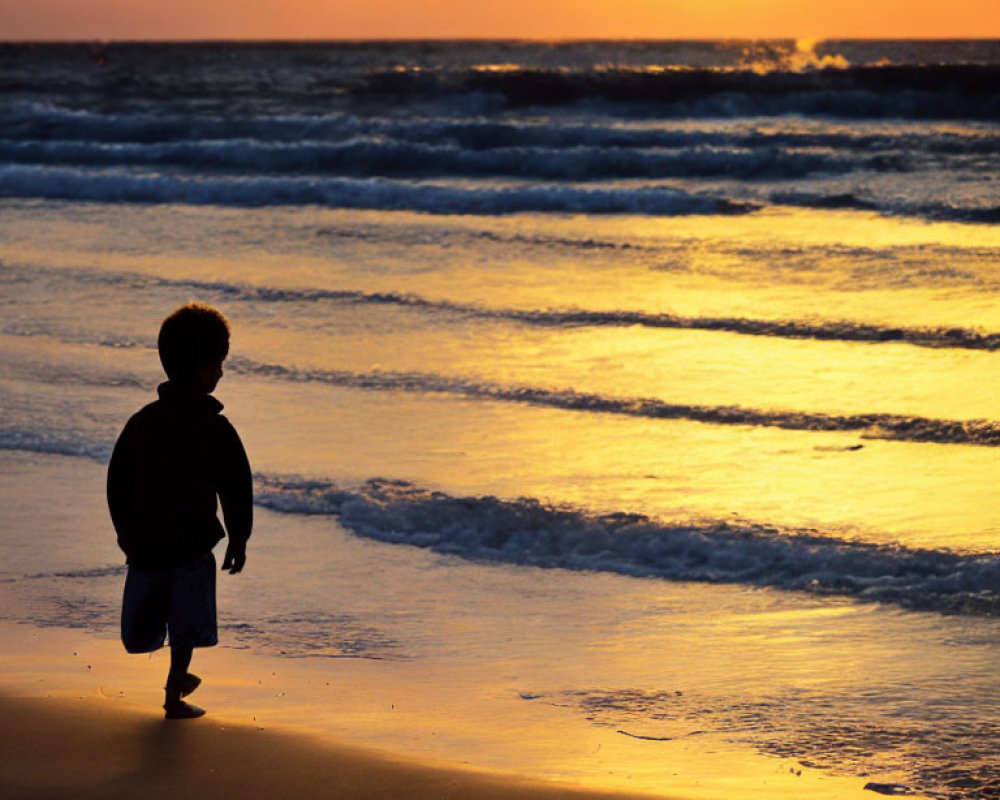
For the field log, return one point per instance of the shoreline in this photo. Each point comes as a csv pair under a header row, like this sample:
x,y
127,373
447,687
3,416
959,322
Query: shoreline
x,y
84,720
484,671
450,682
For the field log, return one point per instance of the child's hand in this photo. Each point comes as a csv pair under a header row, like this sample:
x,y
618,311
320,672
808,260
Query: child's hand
x,y
236,557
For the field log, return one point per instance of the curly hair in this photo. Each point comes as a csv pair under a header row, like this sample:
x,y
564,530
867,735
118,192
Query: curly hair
x,y
194,335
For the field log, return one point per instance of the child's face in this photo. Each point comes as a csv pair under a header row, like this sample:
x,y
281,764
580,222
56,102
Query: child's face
x,y
209,375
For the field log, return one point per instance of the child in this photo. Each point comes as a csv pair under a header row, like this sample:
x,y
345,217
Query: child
x,y
170,462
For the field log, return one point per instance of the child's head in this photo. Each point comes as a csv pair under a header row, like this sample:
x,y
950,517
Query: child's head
x,y
193,343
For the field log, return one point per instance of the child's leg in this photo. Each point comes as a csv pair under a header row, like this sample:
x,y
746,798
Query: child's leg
x,y
180,660
191,623
180,682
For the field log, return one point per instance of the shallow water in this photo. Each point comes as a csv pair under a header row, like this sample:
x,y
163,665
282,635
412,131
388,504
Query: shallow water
x,y
824,685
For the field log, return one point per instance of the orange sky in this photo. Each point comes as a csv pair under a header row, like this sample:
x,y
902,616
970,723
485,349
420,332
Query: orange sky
x,y
534,19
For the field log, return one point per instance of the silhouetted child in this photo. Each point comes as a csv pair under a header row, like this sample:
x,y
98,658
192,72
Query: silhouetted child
x,y
170,462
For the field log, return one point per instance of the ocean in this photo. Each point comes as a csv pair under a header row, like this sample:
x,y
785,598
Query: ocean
x,y
652,383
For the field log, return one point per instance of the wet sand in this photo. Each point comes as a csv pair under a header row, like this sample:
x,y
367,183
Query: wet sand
x,y
89,748
81,719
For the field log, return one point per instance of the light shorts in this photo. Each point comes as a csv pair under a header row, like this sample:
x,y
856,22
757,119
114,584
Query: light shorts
x,y
179,602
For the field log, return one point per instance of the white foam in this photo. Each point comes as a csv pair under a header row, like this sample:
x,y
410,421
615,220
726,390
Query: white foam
x,y
527,532
117,186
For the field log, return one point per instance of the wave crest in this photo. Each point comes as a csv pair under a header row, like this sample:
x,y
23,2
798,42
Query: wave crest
x,y
62,183
527,532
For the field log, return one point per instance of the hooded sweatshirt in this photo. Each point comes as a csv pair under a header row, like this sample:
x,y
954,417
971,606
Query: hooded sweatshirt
x,y
171,461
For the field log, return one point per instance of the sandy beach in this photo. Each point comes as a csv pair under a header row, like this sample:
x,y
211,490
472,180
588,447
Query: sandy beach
x,y
90,749
83,720
86,748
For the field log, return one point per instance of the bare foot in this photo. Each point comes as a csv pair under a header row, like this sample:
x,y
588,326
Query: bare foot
x,y
189,683
182,710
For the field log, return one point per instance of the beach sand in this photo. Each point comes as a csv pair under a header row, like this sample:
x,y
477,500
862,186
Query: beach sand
x,y
86,748
71,730
83,720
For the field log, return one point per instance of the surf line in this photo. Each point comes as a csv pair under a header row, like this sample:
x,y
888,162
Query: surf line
x,y
830,330
788,329
980,432
833,330
846,331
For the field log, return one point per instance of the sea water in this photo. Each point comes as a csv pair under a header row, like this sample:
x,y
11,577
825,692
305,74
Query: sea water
x,y
653,382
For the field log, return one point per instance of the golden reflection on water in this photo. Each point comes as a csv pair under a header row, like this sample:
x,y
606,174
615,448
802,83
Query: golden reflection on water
x,y
676,366
916,494
933,495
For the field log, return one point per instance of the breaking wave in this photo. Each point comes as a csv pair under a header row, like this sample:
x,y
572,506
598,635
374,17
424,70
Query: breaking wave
x,y
527,532
63,183
55,441
121,185
27,122
366,157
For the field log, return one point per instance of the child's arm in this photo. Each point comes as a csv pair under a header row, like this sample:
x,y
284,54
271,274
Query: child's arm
x,y
236,496
121,488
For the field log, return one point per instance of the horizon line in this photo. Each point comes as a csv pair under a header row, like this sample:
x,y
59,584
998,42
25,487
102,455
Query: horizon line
x,y
498,39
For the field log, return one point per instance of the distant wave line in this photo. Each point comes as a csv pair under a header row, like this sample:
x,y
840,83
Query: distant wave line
x,y
876,426
933,210
864,92
897,427
830,330
954,337
118,185
63,183
792,329
25,121
387,158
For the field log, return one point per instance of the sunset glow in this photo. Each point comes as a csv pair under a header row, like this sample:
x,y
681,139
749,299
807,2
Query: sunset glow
x,y
556,19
